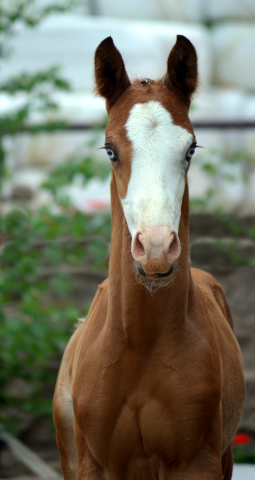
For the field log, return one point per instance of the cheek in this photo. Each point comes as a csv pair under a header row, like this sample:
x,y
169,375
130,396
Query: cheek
x,y
122,175
122,169
116,136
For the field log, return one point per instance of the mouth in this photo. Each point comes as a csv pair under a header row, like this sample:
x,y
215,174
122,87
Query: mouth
x,y
156,274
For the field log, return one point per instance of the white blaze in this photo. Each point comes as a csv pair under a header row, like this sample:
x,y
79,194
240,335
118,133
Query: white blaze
x,y
156,185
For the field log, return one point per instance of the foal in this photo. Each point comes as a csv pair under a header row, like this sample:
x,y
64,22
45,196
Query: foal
x,y
151,384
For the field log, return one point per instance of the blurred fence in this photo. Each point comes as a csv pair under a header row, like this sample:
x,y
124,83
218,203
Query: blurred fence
x,y
225,125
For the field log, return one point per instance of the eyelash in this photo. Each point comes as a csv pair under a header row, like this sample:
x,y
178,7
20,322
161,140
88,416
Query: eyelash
x,y
108,149
192,148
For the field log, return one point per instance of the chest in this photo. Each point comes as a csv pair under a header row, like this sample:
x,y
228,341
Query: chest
x,y
142,408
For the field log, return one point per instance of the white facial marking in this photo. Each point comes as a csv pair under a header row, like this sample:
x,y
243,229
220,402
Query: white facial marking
x,y
156,185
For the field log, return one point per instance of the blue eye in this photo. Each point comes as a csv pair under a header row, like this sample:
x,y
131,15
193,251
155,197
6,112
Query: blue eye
x,y
191,152
111,154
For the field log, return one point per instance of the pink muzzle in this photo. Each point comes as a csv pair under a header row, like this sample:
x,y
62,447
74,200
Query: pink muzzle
x,y
156,249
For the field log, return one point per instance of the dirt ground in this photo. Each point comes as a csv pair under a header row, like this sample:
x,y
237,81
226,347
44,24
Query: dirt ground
x,y
41,440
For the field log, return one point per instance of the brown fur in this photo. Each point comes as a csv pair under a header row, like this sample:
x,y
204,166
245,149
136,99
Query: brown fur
x,y
151,386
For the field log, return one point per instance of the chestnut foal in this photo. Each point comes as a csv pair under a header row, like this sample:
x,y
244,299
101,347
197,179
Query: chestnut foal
x,y
151,384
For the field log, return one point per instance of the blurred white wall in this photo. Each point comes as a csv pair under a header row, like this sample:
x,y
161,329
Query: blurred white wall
x,y
71,40
145,31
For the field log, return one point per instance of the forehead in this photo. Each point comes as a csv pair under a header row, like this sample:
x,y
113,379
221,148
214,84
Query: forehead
x,y
151,129
139,93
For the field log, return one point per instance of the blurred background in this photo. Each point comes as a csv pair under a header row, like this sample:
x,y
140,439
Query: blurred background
x,y
54,182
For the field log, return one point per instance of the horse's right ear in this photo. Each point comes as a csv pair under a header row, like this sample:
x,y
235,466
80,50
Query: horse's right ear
x,y
110,73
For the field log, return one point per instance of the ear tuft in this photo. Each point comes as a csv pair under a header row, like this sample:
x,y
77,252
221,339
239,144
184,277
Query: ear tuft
x,y
182,71
110,74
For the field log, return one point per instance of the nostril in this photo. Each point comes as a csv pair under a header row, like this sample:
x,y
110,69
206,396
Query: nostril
x,y
174,245
172,242
138,248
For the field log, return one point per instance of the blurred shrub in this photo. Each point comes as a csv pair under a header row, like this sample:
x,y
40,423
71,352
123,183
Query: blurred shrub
x,y
37,314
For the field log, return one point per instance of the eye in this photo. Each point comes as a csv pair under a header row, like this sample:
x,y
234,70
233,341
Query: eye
x,y
191,152
111,153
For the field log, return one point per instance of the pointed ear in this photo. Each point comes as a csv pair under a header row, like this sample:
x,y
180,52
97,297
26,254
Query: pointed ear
x,y
182,72
110,73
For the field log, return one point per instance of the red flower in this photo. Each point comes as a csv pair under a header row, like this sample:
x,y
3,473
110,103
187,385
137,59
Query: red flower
x,y
241,439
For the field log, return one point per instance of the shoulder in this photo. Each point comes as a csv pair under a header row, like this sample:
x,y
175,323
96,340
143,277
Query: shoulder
x,y
212,288
203,278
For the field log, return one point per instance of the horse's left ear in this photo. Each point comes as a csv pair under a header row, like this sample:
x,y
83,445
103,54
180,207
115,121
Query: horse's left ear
x,y
182,72
110,73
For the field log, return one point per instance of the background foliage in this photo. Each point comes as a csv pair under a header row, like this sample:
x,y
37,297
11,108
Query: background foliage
x,y
37,312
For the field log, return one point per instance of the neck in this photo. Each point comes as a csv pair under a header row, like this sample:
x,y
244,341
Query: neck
x,y
142,313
